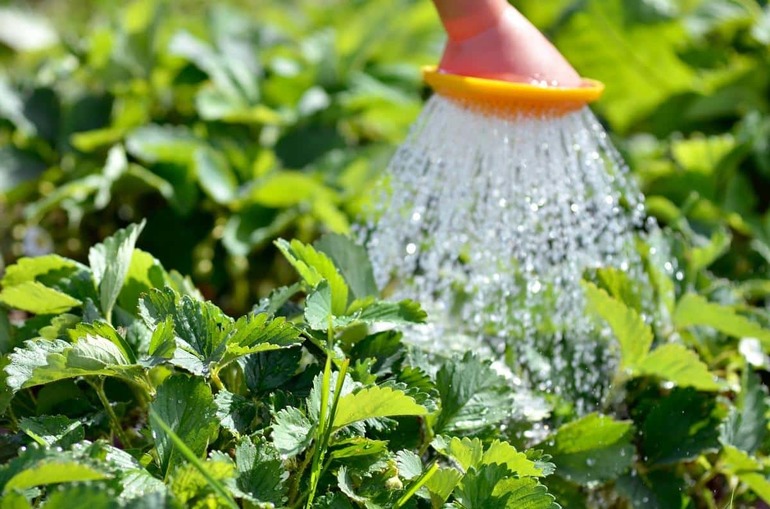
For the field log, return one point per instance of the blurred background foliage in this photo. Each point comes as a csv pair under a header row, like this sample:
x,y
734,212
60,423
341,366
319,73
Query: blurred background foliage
x,y
227,124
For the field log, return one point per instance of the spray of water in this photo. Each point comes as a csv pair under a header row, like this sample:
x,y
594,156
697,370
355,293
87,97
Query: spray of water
x,y
491,222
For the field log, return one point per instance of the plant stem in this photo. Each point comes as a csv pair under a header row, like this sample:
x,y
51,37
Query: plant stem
x,y
419,483
320,431
13,419
217,381
194,460
294,487
114,421
429,435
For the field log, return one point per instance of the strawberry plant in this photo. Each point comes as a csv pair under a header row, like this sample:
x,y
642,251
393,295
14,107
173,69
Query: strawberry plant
x,y
122,387
276,375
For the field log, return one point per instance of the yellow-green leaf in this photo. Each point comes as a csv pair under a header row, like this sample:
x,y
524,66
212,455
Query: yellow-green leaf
x,y
375,402
677,364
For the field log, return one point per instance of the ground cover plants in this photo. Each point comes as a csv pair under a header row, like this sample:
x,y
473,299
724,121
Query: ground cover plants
x,y
176,330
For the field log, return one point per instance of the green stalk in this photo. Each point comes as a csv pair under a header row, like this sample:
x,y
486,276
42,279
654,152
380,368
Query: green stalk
x,y
320,431
217,381
194,460
114,421
294,487
318,459
12,418
415,487
337,393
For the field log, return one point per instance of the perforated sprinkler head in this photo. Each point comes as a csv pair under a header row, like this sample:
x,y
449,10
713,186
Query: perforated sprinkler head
x,y
506,98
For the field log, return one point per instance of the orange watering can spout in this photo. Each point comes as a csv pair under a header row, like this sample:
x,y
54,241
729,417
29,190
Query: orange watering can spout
x,y
496,58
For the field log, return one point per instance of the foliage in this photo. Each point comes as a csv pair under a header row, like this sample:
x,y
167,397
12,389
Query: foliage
x,y
122,385
157,399
229,129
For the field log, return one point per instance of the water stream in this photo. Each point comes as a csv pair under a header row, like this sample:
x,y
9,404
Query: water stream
x,y
491,222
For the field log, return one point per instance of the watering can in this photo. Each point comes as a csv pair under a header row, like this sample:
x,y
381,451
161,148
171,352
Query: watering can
x,y
494,56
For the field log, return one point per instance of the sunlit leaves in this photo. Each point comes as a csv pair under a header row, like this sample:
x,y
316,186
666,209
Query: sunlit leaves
x,y
672,362
472,395
43,361
375,402
187,406
594,448
110,262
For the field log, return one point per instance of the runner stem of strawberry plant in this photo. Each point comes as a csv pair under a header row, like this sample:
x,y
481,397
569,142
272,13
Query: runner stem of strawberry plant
x,y
98,386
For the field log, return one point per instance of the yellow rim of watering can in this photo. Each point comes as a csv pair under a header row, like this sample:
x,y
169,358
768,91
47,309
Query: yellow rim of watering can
x,y
505,97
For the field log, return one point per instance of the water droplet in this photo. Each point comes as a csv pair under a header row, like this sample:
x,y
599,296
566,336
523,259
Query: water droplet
x,y
482,213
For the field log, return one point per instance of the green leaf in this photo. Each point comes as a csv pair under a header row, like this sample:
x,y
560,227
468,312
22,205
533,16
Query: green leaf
x,y
110,262
106,331
261,474
210,339
676,363
746,424
52,430
52,472
139,482
30,269
313,267
352,261
372,311
6,333
162,344
270,370
694,310
235,413
467,452
18,168
187,406
197,474
602,37
37,298
409,465
291,432
442,484
347,486
6,393
318,308
748,470
694,431
526,493
168,144
41,361
594,448
702,257
92,495
477,489
215,176
472,395
277,299
15,500
258,333
201,327
333,501
285,189
634,336
375,402
658,489
144,273
517,462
